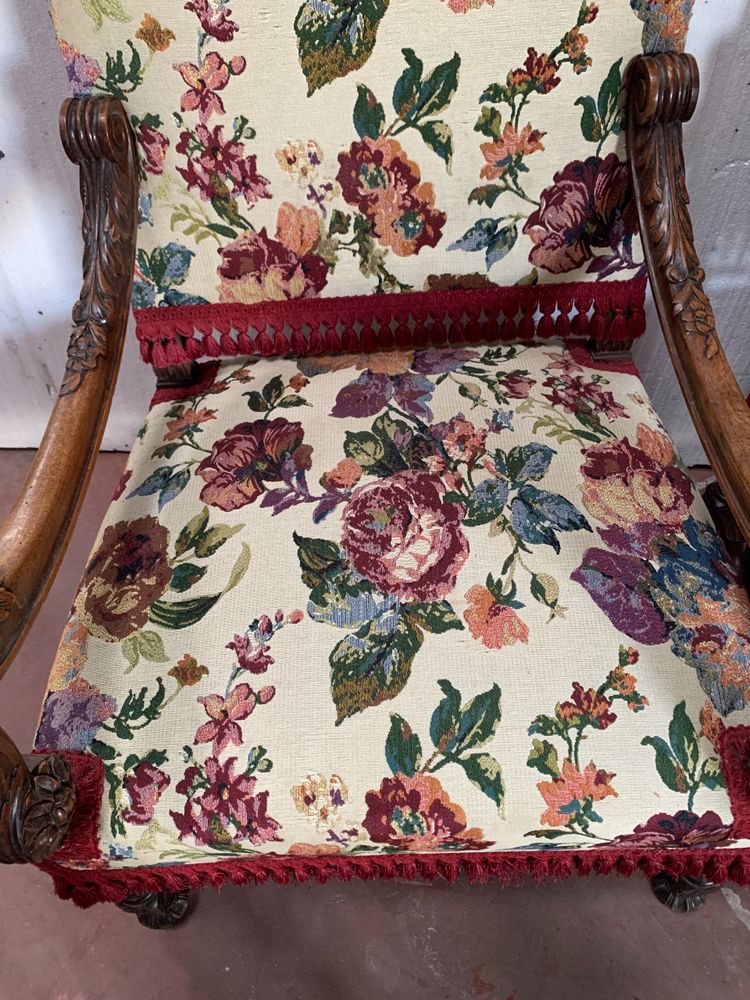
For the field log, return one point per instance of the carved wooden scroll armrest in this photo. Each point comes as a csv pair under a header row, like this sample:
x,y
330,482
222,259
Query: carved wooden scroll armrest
x,y
36,796
662,94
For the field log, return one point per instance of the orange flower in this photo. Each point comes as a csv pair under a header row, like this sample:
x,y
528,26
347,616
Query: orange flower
x,y
711,725
573,786
343,475
495,624
500,153
152,33
71,655
188,421
656,444
313,850
188,671
298,382
463,442
297,228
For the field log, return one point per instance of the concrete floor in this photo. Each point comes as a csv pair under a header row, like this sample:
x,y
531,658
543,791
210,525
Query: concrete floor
x,y
585,939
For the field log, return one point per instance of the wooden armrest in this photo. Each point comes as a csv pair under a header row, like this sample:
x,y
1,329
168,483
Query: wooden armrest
x,y
662,94
97,136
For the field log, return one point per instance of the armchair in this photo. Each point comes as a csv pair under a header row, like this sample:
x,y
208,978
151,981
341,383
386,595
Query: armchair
x,y
332,625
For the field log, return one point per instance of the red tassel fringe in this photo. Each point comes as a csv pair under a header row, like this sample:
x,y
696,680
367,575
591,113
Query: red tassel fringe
x,y
89,885
611,310
735,763
109,885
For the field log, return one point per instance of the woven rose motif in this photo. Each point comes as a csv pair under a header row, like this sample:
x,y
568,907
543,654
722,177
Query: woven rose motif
x,y
405,603
298,150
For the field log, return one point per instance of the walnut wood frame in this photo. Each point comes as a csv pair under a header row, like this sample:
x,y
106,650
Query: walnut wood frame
x,y
37,801
36,795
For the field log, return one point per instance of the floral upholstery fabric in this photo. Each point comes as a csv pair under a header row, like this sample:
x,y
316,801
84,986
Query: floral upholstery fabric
x,y
444,600
333,148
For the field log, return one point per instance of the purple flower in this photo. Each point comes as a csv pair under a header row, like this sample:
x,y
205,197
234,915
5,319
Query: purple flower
x,y
372,391
435,360
83,71
618,585
71,717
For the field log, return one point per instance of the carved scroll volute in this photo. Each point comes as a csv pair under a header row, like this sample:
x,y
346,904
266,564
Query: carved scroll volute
x,y
36,805
96,136
662,93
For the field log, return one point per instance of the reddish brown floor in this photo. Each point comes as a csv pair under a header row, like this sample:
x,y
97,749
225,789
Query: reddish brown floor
x,y
585,939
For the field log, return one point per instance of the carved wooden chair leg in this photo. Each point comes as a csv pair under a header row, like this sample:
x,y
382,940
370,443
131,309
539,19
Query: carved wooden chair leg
x,y
683,894
160,910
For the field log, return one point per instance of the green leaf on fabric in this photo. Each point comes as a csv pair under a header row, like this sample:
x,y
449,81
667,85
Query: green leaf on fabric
x,y
429,95
192,532
369,116
501,244
438,137
438,617
403,750
339,224
478,721
485,502
103,750
373,665
591,125
490,123
138,709
543,756
446,717
683,739
174,487
389,446
608,103
256,402
212,540
338,595
711,775
99,10
181,614
486,194
407,85
485,772
239,569
185,575
130,651
528,461
669,769
151,647
336,37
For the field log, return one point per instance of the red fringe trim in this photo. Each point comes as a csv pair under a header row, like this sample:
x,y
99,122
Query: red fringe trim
x,y
610,310
82,839
108,885
735,763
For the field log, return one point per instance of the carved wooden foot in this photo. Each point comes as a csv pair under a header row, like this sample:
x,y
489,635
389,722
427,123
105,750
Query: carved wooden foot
x,y
159,910
683,894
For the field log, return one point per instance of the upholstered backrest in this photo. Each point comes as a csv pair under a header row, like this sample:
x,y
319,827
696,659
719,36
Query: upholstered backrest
x,y
344,148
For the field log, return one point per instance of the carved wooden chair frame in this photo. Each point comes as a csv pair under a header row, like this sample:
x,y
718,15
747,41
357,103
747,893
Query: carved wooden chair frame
x,y
37,798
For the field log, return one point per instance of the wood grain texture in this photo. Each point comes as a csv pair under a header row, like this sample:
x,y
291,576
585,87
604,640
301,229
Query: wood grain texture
x,y
662,94
97,137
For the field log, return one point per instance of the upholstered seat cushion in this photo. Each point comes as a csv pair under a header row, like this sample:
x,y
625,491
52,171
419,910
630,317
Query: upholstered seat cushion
x,y
451,600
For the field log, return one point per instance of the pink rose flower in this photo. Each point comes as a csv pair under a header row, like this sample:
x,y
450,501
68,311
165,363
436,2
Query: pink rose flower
x,y
403,536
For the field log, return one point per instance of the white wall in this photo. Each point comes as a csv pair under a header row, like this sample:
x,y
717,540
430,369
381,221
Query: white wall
x,y
40,219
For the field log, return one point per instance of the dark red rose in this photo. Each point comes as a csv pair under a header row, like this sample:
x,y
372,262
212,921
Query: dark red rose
x,y
144,788
589,204
250,455
684,829
126,574
214,21
416,814
255,268
377,178
403,536
120,488
154,145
